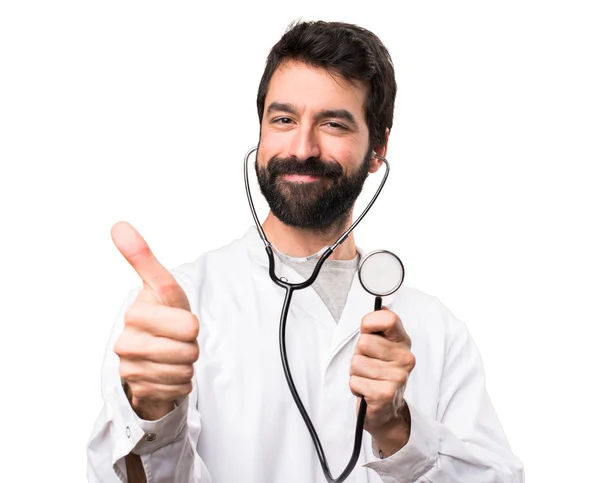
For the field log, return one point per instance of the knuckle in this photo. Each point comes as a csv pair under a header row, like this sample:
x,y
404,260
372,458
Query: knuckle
x,y
164,288
127,372
181,390
193,352
389,318
366,318
168,292
118,347
142,320
144,391
389,393
138,390
401,377
362,344
187,373
131,314
135,313
187,388
122,348
191,327
410,360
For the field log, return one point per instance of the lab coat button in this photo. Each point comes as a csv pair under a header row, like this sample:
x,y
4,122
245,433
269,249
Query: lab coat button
x,y
128,432
150,437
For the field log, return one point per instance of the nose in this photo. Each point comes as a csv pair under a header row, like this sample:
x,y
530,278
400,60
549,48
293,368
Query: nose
x,y
304,144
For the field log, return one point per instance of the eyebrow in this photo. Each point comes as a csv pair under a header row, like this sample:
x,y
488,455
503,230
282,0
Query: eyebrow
x,y
324,114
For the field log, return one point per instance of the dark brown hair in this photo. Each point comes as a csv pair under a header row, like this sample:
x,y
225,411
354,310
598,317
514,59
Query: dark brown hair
x,y
351,51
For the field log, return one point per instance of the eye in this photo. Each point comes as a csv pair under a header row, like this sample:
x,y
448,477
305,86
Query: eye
x,y
282,120
336,125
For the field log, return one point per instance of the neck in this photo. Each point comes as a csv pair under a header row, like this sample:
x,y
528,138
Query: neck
x,y
301,242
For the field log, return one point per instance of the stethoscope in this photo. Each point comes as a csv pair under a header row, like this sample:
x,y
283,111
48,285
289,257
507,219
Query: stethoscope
x,y
380,273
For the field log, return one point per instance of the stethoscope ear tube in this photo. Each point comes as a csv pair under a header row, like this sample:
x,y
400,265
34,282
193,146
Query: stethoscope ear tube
x,y
344,235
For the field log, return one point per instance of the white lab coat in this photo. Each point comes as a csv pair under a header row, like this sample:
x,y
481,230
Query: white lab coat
x,y
240,423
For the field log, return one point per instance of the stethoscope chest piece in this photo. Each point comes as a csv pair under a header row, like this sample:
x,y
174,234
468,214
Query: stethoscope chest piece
x,y
381,273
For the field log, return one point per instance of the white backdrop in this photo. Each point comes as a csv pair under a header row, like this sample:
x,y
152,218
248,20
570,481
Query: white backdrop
x,y
143,111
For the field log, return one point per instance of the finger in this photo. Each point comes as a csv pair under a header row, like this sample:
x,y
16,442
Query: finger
x,y
372,390
150,391
148,371
376,369
377,347
136,345
386,323
163,321
138,254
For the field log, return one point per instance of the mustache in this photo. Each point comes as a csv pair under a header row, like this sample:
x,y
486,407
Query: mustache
x,y
310,166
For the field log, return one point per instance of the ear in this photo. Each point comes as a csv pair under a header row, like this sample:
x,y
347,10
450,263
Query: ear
x,y
381,150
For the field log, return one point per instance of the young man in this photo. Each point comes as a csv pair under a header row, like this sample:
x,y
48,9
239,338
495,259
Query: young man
x,y
192,380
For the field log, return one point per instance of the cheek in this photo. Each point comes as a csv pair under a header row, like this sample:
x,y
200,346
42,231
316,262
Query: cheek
x,y
264,152
347,150
270,146
349,157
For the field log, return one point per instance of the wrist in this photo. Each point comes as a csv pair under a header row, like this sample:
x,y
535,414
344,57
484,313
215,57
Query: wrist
x,y
393,435
148,410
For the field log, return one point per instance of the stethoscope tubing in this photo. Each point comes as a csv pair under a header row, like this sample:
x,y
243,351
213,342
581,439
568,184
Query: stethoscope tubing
x,y
290,288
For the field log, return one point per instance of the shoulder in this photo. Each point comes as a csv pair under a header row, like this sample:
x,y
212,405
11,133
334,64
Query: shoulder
x,y
417,302
220,263
426,315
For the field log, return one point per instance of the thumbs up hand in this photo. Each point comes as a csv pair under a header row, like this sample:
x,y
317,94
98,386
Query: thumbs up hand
x,y
158,346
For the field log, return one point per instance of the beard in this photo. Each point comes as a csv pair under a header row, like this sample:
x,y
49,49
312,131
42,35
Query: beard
x,y
315,205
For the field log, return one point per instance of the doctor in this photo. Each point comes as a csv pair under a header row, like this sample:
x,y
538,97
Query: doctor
x,y
192,383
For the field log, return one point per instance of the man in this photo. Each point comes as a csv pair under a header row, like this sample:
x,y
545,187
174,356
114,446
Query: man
x,y
192,381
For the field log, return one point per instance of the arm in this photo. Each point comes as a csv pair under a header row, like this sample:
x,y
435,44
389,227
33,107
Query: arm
x,y
465,441
120,435
152,350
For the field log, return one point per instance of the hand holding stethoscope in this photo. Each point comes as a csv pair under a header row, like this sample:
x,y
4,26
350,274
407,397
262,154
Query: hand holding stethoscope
x,y
382,360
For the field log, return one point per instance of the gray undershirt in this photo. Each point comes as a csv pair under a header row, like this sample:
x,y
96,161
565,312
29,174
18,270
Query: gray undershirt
x,y
333,282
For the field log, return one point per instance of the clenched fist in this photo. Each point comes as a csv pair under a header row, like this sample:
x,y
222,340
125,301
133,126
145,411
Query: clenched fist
x,y
159,345
379,371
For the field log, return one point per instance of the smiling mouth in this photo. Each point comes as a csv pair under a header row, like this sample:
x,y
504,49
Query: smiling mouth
x,y
301,178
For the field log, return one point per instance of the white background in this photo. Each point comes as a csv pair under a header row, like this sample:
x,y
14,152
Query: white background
x,y
143,111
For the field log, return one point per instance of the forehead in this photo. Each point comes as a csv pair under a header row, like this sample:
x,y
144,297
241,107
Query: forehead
x,y
315,88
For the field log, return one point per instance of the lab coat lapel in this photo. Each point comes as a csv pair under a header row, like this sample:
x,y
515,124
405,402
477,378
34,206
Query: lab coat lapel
x,y
358,304
306,301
